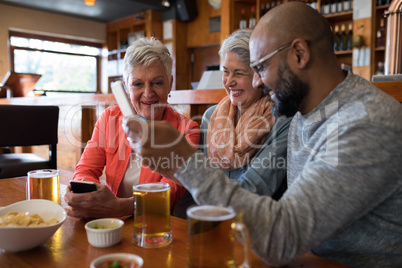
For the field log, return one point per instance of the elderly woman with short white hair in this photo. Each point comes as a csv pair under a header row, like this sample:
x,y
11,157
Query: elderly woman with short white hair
x,y
148,78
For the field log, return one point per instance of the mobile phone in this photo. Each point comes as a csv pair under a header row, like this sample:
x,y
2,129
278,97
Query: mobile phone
x,y
122,99
82,186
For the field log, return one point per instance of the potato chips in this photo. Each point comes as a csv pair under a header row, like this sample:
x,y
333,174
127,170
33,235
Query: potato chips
x,y
24,219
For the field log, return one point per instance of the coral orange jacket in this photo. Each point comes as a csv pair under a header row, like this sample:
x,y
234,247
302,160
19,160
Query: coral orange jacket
x,y
109,148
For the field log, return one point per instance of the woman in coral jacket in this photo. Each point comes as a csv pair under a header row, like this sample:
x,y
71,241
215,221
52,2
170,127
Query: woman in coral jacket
x,y
148,79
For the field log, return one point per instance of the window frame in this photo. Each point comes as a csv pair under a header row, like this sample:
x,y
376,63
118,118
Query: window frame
x,y
98,58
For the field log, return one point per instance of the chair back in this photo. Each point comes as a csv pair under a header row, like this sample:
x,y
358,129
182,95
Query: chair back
x,y
24,125
27,125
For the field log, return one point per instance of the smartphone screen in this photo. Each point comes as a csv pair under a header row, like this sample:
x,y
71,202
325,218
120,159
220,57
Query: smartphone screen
x,y
82,186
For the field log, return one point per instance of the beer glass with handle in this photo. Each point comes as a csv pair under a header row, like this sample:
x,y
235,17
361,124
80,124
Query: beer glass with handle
x,y
211,237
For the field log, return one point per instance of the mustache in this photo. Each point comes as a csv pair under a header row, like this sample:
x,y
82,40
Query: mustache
x,y
265,89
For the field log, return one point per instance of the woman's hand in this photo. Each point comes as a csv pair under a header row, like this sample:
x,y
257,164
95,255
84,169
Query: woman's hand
x,y
98,204
162,147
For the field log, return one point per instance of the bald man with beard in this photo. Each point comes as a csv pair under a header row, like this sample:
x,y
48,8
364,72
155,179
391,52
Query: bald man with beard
x,y
344,197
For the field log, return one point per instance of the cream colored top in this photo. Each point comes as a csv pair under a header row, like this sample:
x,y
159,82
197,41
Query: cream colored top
x,y
131,176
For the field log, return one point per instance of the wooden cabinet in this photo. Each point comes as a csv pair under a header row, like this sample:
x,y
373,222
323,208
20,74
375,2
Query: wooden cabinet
x,y
338,21
122,31
363,60
342,17
366,57
379,21
149,23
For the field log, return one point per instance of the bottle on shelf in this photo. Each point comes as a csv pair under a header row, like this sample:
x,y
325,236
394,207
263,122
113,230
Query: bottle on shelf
x,y
273,3
314,4
140,16
326,7
343,42
243,21
337,38
349,39
262,10
340,6
123,44
251,20
323,5
381,34
334,6
346,5
380,68
383,2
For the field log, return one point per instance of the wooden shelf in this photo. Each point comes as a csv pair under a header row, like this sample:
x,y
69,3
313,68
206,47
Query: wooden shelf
x,y
139,22
345,52
118,31
341,16
247,2
382,7
116,54
378,53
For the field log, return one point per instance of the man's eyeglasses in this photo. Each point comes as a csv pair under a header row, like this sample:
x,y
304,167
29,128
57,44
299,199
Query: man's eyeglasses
x,y
257,66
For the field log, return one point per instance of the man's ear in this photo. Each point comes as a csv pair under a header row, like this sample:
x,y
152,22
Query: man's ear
x,y
301,51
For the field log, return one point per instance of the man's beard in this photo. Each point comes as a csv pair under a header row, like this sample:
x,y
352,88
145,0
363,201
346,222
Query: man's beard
x,y
289,92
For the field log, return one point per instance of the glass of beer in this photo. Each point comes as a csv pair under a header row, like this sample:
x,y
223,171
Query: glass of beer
x,y
211,237
44,184
152,215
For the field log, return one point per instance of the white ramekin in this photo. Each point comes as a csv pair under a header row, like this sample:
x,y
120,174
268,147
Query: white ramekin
x,y
104,237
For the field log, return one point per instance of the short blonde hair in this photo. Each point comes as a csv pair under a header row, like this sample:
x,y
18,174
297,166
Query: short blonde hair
x,y
146,51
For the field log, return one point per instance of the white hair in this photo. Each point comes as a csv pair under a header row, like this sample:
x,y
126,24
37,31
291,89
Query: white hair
x,y
146,51
238,43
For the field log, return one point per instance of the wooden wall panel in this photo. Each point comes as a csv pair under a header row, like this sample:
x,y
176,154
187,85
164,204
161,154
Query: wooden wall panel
x,y
198,29
181,62
364,71
203,57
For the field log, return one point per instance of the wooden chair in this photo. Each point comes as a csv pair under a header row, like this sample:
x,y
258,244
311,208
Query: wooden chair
x,y
23,125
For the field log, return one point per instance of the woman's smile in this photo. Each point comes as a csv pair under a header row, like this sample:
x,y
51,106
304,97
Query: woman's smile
x,y
236,93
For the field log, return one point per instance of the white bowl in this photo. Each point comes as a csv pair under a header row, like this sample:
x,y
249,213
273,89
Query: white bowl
x,y
107,237
19,238
119,257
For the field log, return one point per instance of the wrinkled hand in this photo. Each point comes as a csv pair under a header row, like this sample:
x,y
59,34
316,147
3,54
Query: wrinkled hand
x,y
162,147
101,203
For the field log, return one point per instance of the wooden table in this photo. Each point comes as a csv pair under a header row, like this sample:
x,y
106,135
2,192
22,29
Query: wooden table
x,y
69,247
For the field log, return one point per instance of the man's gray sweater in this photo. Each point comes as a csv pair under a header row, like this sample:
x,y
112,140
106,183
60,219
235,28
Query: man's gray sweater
x,y
344,200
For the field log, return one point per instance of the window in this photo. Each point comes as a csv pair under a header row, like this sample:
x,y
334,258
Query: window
x,y
65,65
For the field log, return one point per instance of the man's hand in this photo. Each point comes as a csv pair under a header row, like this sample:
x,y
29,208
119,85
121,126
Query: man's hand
x,y
161,146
